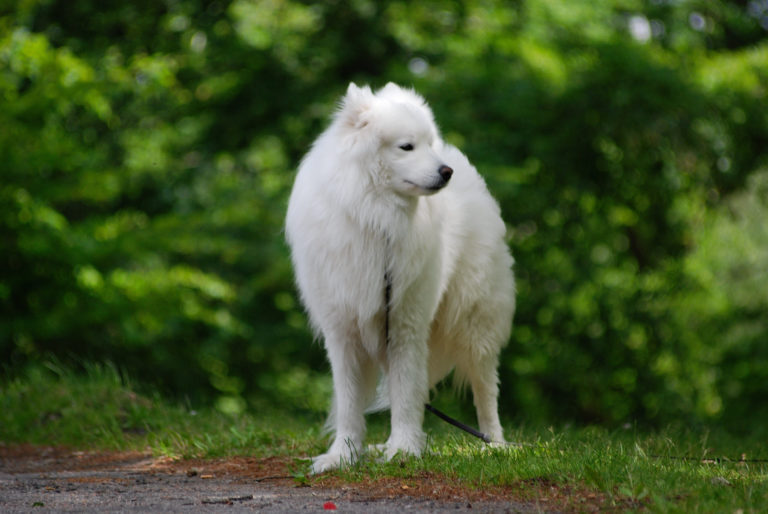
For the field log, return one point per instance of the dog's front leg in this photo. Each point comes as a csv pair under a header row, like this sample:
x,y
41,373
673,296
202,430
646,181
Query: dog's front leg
x,y
408,388
354,381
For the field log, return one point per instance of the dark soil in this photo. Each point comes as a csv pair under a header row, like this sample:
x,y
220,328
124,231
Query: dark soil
x,y
34,478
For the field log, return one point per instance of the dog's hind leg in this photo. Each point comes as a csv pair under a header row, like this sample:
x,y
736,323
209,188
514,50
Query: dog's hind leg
x,y
482,376
354,383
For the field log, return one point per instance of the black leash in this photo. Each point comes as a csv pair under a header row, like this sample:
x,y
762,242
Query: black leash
x,y
710,460
468,429
387,301
445,417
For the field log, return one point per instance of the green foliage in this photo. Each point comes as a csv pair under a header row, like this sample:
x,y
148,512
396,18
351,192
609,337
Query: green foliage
x,y
147,154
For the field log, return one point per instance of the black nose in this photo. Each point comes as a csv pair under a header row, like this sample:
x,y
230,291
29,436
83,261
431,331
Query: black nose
x,y
445,172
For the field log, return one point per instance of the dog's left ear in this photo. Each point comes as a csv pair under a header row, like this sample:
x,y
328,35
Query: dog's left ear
x,y
391,87
401,94
355,105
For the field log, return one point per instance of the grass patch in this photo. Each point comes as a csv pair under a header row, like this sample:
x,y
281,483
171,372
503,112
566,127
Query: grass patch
x,y
676,470
673,471
100,409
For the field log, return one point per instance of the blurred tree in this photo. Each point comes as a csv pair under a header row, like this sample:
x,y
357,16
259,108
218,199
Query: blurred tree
x,y
148,151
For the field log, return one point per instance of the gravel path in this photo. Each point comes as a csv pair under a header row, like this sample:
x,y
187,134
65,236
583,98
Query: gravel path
x,y
31,481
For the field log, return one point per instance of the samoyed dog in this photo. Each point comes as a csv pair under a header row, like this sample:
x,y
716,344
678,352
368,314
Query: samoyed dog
x,y
399,255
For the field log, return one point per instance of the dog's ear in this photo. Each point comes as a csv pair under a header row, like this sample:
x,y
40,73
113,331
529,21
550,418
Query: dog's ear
x,y
401,94
354,106
394,93
353,89
391,87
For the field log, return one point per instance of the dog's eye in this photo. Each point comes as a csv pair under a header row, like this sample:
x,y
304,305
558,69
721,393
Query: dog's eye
x,y
407,147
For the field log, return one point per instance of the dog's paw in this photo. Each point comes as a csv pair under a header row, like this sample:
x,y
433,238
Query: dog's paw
x,y
507,444
377,452
496,440
329,461
501,446
404,444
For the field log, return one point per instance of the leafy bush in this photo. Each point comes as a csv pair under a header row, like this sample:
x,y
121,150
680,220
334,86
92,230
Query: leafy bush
x,y
148,151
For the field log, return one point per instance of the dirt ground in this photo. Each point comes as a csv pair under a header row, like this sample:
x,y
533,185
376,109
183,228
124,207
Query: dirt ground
x,y
40,479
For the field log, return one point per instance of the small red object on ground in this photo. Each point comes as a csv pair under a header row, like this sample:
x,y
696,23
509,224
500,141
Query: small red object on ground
x,y
329,506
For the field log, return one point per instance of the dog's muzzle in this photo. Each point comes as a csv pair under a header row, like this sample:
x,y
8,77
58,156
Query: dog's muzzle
x,y
445,173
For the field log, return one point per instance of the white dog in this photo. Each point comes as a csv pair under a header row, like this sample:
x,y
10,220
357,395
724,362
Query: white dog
x,y
399,254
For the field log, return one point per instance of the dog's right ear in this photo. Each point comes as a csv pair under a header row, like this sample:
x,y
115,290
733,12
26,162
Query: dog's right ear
x,y
354,106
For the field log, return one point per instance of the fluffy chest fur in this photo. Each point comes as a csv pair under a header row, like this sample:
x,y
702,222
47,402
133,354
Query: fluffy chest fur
x,y
345,251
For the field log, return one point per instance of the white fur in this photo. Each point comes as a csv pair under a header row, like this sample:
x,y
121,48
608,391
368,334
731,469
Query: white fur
x,y
362,206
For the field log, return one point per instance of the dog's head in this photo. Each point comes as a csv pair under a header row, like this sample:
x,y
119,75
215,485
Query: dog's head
x,y
394,132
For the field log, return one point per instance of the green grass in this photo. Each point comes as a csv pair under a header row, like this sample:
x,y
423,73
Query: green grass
x,y
100,409
677,470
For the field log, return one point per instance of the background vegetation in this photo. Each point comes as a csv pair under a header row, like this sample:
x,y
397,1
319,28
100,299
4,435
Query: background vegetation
x,y
147,150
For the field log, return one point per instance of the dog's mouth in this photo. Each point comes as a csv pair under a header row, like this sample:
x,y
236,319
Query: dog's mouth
x,y
436,186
